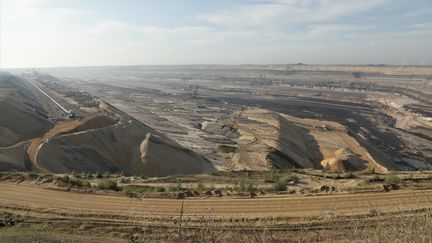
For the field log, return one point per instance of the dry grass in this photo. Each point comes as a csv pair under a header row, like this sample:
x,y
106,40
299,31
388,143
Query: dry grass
x,y
410,226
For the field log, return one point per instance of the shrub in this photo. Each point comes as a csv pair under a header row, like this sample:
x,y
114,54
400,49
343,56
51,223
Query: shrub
x,y
293,177
130,193
212,187
348,175
244,186
88,176
64,178
392,178
175,188
369,171
108,185
337,176
98,175
85,183
201,187
272,177
75,174
160,189
280,185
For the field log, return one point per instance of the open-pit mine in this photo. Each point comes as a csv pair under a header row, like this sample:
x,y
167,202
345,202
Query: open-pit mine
x,y
222,135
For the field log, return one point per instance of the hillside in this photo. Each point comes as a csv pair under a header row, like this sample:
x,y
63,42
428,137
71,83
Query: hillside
x,y
22,116
107,140
271,140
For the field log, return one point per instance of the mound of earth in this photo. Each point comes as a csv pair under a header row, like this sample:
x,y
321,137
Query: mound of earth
x,y
109,145
106,141
21,115
343,160
271,140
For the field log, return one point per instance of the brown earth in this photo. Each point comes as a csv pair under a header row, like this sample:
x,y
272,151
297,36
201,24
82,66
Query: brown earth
x,y
22,196
105,140
269,139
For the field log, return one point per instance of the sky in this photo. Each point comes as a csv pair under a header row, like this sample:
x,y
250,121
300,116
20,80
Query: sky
x,y
50,33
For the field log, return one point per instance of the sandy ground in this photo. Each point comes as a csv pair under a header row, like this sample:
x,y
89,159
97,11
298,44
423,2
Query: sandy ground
x,y
20,197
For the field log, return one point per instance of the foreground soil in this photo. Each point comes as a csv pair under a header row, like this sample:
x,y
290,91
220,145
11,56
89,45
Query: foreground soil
x,y
26,206
36,198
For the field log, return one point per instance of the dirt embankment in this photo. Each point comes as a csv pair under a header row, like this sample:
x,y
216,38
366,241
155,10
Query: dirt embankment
x,y
91,122
111,142
271,140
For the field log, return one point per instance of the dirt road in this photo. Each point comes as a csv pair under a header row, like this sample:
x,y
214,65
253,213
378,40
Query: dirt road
x,y
12,195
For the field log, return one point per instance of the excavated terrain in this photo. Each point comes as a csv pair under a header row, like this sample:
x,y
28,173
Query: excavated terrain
x,y
364,116
105,140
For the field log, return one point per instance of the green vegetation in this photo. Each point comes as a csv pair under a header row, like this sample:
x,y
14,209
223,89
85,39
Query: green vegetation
x,y
272,177
348,175
201,187
144,189
175,188
74,182
98,175
244,186
280,185
292,177
108,184
369,171
392,178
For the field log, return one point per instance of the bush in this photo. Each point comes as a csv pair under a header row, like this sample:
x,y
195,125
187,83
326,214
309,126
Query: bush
x,y
244,186
85,183
160,189
272,177
74,181
108,185
201,187
74,174
369,171
64,178
348,175
280,185
175,188
392,178
98,175
337,176
131,193
293,177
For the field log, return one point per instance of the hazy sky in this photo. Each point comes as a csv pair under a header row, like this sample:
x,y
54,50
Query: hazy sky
x,y
130,32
